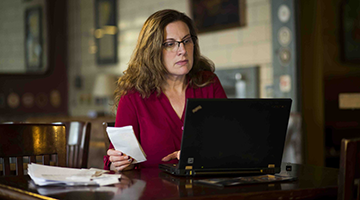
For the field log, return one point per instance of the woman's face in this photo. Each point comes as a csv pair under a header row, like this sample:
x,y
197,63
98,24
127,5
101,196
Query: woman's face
x,y
177,57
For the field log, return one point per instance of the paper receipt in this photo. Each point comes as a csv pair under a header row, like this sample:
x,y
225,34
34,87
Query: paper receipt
x,y
124,140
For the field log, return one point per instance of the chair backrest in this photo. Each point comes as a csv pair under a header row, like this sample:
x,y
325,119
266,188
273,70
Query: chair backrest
x,y
78,139
26,141
349,171
106,137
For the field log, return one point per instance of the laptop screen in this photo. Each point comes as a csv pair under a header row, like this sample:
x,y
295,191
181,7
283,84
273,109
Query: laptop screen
x,y
234,133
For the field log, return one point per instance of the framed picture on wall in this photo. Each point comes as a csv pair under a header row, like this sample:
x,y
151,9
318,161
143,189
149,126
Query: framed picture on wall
x,y
212,15
33,39
106,31
350,32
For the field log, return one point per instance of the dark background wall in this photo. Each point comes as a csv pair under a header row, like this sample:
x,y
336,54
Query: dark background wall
x,y
324,76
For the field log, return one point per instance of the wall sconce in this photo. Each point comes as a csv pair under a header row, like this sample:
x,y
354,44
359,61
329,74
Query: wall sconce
x,y
103,92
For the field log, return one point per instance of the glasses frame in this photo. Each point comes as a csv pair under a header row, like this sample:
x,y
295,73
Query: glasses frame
x,y
193,38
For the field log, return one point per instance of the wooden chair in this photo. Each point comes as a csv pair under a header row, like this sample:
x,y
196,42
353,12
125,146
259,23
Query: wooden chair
x,y
78,140
349,171
106,137
25,140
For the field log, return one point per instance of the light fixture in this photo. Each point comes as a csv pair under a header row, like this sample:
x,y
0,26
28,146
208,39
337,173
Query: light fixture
x,y
103,92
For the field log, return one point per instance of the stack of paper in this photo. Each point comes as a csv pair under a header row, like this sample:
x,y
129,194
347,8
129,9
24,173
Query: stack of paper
x,y
50,175
124,140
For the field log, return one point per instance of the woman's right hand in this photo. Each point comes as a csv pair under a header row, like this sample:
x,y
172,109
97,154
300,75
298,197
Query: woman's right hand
x,y
119,161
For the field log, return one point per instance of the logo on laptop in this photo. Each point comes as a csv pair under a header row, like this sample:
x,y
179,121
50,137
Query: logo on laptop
x,y
271,165
190,160
196,109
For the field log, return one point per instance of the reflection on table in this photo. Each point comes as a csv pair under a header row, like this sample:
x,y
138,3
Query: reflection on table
x,y
312,183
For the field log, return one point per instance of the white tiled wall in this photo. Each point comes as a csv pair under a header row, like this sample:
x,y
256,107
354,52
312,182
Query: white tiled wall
x,y
231,48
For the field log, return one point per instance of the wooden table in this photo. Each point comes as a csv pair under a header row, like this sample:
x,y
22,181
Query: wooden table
x,y
312,183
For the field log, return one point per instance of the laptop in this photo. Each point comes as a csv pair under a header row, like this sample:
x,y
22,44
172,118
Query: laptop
x,y
232,136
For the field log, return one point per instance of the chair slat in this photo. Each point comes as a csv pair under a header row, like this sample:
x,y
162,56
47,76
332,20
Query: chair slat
x,y
76,156
71,156
19,166
32,159
6,166
46,159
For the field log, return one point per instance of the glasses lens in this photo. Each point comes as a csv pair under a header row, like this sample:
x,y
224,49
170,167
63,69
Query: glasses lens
x,y
174,45
169,45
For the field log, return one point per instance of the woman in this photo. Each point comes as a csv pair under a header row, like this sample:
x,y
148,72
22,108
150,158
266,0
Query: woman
x,y
166,68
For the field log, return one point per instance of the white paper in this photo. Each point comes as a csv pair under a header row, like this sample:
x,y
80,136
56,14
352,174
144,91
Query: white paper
x,y
124,140
50,175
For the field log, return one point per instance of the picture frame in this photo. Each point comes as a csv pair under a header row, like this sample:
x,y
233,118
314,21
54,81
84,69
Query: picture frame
x,y
34,39
213,15
350,31
106,32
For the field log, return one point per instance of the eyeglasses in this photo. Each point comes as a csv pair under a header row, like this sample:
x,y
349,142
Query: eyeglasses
x,y
173,45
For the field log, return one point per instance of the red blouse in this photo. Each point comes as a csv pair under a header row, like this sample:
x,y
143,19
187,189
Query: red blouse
x,y
156,124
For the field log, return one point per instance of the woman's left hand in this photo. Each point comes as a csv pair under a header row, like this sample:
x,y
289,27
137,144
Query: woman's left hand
x,y
175,155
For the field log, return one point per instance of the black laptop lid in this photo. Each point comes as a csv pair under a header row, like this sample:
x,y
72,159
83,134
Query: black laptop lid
x,y
234,133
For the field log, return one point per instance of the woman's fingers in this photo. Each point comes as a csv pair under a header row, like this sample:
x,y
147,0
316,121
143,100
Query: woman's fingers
x,y
118,159
112,152
125,159
174,155
121,162
122,167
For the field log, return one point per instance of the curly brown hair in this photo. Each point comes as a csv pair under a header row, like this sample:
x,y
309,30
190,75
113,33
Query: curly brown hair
x,y
146,72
